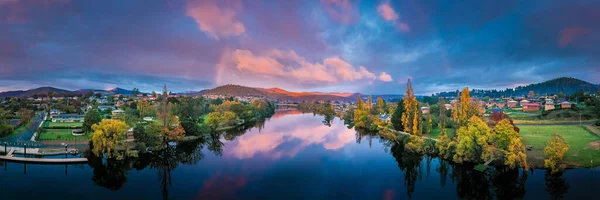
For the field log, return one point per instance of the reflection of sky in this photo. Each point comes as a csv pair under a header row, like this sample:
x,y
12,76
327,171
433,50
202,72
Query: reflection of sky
x,y
287,136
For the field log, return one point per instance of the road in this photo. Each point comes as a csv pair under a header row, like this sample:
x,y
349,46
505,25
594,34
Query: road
x,y
25,137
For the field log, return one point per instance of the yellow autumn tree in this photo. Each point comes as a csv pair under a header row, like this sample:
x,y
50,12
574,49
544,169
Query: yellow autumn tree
x,y
509,145
145,108
554,151
108,136
411,118
473,142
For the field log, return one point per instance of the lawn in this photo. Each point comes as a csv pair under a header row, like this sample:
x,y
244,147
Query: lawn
x,y
584,145
60,134
17,131
49,124
435,133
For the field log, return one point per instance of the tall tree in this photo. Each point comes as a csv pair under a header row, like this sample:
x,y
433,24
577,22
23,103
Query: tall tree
x,y
554,151
397,116
360,105
369,103
26,115
135,92
411,116
381,106
442,120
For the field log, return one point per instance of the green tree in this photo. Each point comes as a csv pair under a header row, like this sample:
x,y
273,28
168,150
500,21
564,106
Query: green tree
x,y
91,117
26,115
135,92
554,151
108,137
397,116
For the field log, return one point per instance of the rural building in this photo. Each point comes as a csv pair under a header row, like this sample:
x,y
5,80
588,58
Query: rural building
x,y
448,106
512,104
565,104
130,134
497,110
104,108
531,107
67,118
500,105
384,117
425,110
118,113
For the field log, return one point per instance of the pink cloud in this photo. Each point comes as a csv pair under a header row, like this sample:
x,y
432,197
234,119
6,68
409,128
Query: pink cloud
x,y
247,61
385,77
289,66
275,142
214,20
403,27
341,10
568,35
19,10
386,11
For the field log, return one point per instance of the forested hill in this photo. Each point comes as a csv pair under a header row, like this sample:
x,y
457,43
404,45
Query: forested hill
x,y
566,85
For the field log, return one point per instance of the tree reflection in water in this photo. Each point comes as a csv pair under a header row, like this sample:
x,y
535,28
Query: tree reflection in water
x,y
556,184
501,182
111,173
496,182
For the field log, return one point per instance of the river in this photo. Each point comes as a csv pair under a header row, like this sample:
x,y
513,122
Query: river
x,y
289,156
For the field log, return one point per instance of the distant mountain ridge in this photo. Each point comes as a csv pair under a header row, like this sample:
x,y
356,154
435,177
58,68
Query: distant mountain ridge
x,y
45,90
276,93
566,85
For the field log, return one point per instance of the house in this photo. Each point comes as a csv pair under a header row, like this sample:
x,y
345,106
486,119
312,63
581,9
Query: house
x,y
104,108
496,110
565,104
448,106
500,105
549,105
130,134
67,118
531,107
384,117
425,110
524,101
512,104
117,113
54,112
120,103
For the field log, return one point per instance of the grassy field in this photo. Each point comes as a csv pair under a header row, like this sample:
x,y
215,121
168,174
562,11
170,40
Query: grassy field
x,y
584,145
48,124
435,133
60,134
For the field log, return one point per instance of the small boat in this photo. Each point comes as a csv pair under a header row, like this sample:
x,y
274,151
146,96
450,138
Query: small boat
x,y
74,151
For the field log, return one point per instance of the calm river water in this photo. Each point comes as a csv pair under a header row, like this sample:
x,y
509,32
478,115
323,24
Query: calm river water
x,y
290,156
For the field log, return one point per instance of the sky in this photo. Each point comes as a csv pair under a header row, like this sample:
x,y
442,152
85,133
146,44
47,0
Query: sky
x,y
365,46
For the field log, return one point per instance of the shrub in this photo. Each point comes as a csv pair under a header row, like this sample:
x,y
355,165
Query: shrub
x,y
597,123
6,129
